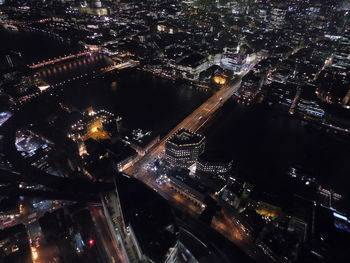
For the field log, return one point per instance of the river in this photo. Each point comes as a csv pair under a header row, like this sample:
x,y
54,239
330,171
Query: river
x,y
262,142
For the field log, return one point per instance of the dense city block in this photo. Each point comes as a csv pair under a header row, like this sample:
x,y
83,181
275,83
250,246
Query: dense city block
x,y
174,131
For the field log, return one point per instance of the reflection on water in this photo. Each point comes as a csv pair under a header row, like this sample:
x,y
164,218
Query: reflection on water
x,y
71,69
114,85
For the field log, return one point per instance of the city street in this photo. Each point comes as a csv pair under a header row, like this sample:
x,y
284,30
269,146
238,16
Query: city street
x,y
109,242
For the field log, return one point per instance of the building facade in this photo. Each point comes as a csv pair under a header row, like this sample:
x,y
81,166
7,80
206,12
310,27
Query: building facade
x,y
213,167
183,148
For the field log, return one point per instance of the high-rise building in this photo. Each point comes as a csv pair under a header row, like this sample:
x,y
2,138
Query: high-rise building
x,y
277,18
183,148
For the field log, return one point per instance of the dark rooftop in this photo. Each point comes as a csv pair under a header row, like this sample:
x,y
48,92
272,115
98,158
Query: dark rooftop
x,y
193,60
120,151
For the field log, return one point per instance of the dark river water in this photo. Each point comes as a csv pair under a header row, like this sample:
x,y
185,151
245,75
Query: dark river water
x,y
141,99
33,47
263,142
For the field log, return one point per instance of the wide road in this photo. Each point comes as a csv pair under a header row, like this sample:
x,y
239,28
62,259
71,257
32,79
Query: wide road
x,y
110,244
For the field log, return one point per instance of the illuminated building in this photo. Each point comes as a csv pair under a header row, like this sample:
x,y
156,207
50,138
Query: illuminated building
x,y
234,63
166,28
236,56
185,185
234,192
4,116
123,232
100,125
82,148
183,148
219,80
250,88
141,141
97,4
277,18
268,210
191,66
94,11
96,131
311,108
90,111
122,155
95,8
42,85
346,100
230,198
205,165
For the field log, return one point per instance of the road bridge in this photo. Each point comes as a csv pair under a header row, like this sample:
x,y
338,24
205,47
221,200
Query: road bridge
x,y
122,65
60,59
224,222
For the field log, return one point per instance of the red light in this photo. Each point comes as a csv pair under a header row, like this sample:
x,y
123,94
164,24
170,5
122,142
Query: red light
x,y
91,242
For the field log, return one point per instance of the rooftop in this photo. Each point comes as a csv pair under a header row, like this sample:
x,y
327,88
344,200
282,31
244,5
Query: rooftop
x,y
120,151
193,60
186,137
